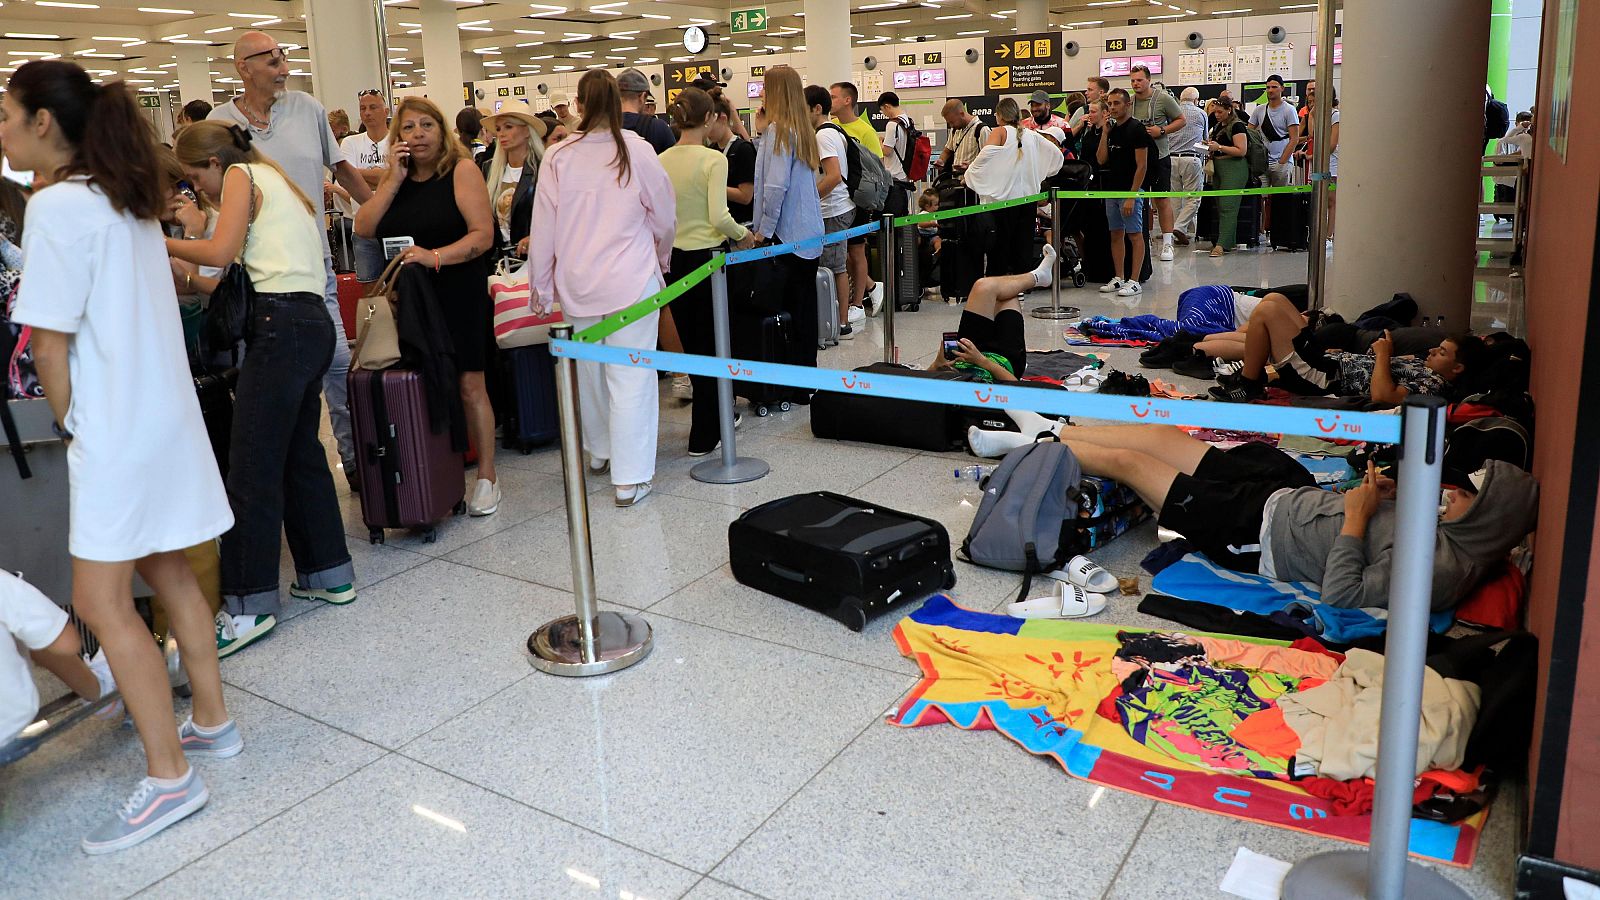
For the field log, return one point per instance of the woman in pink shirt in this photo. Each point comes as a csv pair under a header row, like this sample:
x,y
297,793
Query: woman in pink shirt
x,y
604,219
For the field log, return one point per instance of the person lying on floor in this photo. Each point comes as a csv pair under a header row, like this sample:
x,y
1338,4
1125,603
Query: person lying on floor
x,y
1279,333
1255,509
991,342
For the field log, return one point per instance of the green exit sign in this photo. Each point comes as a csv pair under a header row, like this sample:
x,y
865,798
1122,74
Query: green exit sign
x,y
744,21
149,101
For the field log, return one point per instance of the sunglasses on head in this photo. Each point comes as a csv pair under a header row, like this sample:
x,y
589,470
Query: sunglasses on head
x,y
369,92
275,56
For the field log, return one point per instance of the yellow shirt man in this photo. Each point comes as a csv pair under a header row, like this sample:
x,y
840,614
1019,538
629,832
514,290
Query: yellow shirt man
x,y
861,130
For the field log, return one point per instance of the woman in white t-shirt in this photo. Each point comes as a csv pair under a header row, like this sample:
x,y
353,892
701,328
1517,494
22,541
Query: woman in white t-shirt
x,y
512,175
109,348
1013,163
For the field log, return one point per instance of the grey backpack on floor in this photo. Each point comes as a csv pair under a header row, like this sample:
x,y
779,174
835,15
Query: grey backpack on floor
x,y
1025,521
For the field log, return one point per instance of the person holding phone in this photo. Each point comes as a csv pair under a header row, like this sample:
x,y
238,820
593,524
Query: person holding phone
x,y
991,342
433,195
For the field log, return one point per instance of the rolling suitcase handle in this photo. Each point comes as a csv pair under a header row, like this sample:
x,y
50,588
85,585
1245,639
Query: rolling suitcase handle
x,y
787,573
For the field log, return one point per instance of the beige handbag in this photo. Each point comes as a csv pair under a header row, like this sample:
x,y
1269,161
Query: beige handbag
x,y
377,337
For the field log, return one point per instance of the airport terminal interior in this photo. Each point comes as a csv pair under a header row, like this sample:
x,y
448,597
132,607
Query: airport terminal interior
x,y
1148,718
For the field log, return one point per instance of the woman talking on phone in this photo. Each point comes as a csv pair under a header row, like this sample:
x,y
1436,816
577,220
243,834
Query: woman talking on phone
x,y
434,195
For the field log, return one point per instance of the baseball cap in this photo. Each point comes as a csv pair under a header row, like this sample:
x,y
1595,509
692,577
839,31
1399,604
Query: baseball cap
x,y
1039,97
560,98
1055,133
632,81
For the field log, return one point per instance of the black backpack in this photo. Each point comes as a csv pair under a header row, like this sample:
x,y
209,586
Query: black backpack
x,y
1508,679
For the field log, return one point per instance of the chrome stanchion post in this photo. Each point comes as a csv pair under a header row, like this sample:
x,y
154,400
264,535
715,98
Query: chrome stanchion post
x,y
1383,872
1055,310
891,282
728,468
1317,274
590,642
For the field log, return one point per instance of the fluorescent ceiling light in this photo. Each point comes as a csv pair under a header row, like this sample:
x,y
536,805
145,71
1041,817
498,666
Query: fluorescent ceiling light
x,y
474,28
1108,3
531,44
957,16
629,47
25,35
1167,16
219,30
562,68
1076,24
669,44
745,46
63,4
1229,12
1299,6
251,15
894,22
545,9
166,10
656,16
188,41
113,39
971,33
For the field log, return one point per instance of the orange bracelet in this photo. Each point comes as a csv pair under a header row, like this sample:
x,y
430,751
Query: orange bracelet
x,y
437,260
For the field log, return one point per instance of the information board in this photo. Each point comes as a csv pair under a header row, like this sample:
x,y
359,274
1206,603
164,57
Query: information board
x,y
677,76
1023,62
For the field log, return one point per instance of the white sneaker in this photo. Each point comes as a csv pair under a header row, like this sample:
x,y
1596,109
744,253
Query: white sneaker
x,y
629,495
874,299
485,498
1166,253
101,667
857,315
1112,286
1130,289
682,389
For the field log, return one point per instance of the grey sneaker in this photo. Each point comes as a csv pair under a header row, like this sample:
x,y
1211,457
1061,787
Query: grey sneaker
x,y
221,743
150,809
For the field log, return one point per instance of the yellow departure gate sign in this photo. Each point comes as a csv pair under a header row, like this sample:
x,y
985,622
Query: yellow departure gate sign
x,y
1022,62
678,76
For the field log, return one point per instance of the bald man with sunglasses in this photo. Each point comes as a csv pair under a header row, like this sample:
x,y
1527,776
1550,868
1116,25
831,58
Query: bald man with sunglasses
x,y
291,128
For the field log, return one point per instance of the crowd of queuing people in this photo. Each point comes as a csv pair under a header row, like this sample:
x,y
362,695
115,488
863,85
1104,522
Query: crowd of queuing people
x,y
122,230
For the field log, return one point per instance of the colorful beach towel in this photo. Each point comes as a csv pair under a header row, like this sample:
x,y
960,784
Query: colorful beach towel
x,y
1042,683
1199,579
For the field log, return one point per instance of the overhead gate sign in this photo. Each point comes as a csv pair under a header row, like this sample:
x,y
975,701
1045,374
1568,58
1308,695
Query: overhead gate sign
x,y
1022,62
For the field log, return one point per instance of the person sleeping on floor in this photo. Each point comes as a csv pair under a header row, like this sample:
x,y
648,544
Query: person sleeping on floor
x,y
991,341
1255,509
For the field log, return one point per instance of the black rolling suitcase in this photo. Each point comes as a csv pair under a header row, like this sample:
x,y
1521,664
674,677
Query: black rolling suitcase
x,y
1291,221
763,338
531,376
891,421
908,280
838,555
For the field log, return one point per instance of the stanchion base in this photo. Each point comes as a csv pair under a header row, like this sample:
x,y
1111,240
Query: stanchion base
x,y
1046,312
1342,874
620,641
744,468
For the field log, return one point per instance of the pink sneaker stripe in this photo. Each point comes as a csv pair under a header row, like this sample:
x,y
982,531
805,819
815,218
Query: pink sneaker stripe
x,y
160,799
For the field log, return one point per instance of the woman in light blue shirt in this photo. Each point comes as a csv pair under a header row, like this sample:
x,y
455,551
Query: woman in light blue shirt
x,y
787,207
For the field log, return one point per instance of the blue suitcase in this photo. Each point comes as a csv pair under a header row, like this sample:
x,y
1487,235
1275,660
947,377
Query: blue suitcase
x,y
533,420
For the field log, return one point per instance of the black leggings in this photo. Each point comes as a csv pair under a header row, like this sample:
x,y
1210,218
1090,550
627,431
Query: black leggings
x,y
691,313
1011,242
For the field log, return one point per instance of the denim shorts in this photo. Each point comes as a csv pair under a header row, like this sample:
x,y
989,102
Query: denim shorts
x,y
1116,221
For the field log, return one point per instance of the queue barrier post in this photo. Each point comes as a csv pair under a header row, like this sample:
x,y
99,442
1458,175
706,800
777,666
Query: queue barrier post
x,y
1383,872
891,284
729,467
590,642
1055,310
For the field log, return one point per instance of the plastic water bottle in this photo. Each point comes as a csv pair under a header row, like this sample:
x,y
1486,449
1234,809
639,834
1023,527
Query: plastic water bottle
x,y
970,479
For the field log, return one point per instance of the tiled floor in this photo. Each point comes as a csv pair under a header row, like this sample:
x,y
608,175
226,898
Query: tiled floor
x,y
403,746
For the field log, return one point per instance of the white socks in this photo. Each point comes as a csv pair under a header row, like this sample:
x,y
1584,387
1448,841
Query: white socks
x,y
1031,424
994,444
1166,238
1046,272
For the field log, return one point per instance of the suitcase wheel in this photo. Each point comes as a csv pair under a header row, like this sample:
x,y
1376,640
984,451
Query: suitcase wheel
x,y
785,406
430,535
949,580
375,536
852,614
762,411
1078,279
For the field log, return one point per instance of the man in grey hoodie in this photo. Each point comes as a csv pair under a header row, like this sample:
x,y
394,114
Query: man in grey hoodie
x,y
1255,509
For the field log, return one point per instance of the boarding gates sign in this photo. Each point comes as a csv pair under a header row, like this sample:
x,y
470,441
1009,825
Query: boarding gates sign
x,y
679,75
1022,63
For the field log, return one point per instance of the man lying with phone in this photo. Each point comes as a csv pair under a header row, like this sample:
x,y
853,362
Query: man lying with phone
x,y
990,341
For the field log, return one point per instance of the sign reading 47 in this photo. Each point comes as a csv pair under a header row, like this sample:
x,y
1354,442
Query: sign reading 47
x,y
744,21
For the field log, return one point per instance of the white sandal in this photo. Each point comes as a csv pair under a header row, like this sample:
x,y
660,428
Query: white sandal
x,y
1087,574
1067,601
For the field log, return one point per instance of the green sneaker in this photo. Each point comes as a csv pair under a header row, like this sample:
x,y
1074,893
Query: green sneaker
x,y
235,632
344,593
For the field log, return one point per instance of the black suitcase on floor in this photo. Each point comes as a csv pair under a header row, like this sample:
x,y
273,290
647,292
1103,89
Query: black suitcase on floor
x,y
838,555
891,421
531,377
1291,221
763,338
908,280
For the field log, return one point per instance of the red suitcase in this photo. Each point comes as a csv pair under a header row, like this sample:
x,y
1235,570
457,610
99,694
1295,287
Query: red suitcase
x,y
410,478
350,291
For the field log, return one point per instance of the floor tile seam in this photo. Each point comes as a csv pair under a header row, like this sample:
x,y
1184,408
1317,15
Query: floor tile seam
x,y
308,716
806,650
554,587
519,680
330,785
498,531
790,799
1127,854
545,812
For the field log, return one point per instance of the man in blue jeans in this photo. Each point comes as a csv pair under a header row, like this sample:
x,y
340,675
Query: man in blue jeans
x,y
1124,154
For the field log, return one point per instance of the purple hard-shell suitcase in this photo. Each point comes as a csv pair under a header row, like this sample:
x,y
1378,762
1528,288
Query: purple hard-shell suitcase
x,y
410,477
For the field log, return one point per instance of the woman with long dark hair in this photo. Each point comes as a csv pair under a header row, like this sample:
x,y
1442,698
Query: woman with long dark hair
x,y
110,356
605,221
434,194
278,478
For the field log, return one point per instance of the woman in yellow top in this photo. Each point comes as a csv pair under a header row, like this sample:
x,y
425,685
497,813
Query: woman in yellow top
x,y
700,180
278,479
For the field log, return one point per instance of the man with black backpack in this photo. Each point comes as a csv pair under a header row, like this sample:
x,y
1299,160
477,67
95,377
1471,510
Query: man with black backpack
x,y
838,212
900,141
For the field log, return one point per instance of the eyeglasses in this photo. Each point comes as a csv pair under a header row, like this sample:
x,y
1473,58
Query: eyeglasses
x,y
369,92
275,56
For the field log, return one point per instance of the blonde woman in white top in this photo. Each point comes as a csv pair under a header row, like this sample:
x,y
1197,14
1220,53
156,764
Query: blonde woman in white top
x,y
277,469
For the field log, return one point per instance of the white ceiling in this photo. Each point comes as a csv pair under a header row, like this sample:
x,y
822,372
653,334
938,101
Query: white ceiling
x,y
136,39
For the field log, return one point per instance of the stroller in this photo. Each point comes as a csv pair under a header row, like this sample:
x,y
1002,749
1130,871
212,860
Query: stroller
x,y
1074,175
